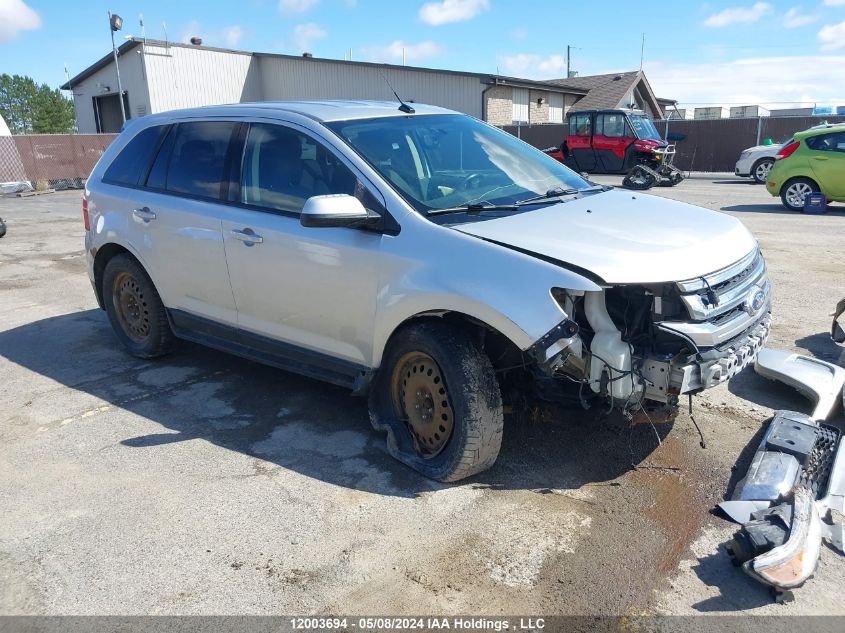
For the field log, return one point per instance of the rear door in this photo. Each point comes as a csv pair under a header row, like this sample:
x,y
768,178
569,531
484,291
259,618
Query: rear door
x,y
827,160
300,288
611,138
580,142
176,221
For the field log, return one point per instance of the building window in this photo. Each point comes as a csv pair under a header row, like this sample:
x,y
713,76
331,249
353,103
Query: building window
x,y
555,107
520,105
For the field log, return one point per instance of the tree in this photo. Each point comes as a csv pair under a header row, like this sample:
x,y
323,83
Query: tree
x,y
32,109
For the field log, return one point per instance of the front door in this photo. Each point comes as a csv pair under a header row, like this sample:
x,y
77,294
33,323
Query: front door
x,y
311,288
611,138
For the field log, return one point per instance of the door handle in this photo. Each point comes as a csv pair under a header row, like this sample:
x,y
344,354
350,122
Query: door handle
x,y
247,236
144,214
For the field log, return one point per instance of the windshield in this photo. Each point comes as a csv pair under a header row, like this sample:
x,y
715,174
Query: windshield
x,y
445,161
644,127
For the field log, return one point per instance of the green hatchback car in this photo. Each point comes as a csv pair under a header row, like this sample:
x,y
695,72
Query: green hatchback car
x,y
814,160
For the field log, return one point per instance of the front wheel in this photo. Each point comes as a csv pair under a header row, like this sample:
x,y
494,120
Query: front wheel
x,y
761,169
437,397
795,191
638,179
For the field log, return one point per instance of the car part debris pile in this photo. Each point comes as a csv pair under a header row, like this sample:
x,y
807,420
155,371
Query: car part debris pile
x,y
788,501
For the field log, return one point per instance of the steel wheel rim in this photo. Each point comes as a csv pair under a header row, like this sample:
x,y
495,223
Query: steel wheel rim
x,y
131,308
421,400
796,193
763,169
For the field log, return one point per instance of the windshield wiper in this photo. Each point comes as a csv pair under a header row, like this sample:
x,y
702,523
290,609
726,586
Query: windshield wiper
x,y
473,207
560,192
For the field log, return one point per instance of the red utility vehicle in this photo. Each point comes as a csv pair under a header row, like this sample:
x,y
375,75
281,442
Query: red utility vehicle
x,y
618,142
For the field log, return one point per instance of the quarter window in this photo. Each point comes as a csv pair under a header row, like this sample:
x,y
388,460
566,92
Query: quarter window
x,y
192,159
282,168
130,166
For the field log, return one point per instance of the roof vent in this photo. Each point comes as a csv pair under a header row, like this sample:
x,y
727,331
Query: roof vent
x,y
617,78
196,41
307,55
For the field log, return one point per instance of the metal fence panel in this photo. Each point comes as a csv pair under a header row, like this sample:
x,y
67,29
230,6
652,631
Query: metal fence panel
x,y
702,145
58,161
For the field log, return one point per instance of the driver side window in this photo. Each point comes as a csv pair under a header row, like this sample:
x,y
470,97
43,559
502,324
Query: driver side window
x,y
283,167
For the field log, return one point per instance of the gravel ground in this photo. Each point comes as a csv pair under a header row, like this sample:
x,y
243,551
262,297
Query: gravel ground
x,y
205,484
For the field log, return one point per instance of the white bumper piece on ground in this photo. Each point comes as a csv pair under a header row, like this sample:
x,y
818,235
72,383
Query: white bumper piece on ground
x,y
822,382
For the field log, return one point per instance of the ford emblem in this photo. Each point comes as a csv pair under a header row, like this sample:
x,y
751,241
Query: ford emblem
x,y
756,299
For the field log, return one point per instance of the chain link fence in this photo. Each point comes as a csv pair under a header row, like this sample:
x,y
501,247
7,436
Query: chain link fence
x,y
49,161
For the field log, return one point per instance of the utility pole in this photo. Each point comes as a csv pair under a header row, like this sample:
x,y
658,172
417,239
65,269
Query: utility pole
x,y
115,24
567,60
642,52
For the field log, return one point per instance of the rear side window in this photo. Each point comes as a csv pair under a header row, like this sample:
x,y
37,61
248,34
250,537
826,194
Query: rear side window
x,y
130,166
580,125
612,125
192,160
827,142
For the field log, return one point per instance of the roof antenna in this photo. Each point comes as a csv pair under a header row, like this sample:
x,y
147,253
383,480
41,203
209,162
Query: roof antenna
x,y
403,107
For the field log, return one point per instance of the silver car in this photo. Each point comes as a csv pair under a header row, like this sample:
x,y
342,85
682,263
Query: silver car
x,y
418,256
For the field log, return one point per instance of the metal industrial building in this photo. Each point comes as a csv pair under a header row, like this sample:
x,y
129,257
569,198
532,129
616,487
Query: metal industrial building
x,y
157,76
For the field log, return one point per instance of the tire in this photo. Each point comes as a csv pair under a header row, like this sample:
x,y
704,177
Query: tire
x,y
638,180
135,310
760,170
433,361
2,228
794,191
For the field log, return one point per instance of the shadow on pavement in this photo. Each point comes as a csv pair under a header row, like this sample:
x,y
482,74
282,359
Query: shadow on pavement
x,y
737,591
301,424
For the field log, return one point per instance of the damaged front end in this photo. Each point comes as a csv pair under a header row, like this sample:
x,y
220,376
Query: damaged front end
x,y
656,342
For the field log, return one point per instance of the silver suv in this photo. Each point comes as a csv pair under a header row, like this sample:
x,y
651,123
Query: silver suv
x,y
419,256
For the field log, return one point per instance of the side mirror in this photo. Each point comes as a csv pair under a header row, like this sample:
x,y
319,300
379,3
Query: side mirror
x,y
337,210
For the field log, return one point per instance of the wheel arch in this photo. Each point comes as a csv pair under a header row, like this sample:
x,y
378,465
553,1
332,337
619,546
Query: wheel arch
x,y
490,338
104,254
789,181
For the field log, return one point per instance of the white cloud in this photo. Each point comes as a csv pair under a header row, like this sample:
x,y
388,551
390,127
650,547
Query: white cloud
x,y
232,35
834,3
793,18
530,66
446,11
768,81
738,15
16,16
832,36
393,52
305,35
294,7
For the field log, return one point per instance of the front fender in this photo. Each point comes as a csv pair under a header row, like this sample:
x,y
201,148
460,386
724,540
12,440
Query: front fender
x,y
508,290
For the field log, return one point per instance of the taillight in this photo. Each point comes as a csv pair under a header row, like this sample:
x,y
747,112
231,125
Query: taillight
x,y
787,150
85,219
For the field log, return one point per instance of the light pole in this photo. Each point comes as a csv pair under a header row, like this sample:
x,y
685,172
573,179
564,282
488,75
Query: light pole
x,y
115,24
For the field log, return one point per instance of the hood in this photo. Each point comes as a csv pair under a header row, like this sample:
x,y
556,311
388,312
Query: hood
x,y
624,237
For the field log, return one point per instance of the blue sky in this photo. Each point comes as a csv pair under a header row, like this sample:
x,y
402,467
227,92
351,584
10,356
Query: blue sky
x,y
725,52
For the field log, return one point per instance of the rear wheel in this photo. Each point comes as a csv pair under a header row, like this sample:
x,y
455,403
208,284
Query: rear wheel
x,y
794,191
760,170
134,308
437,397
